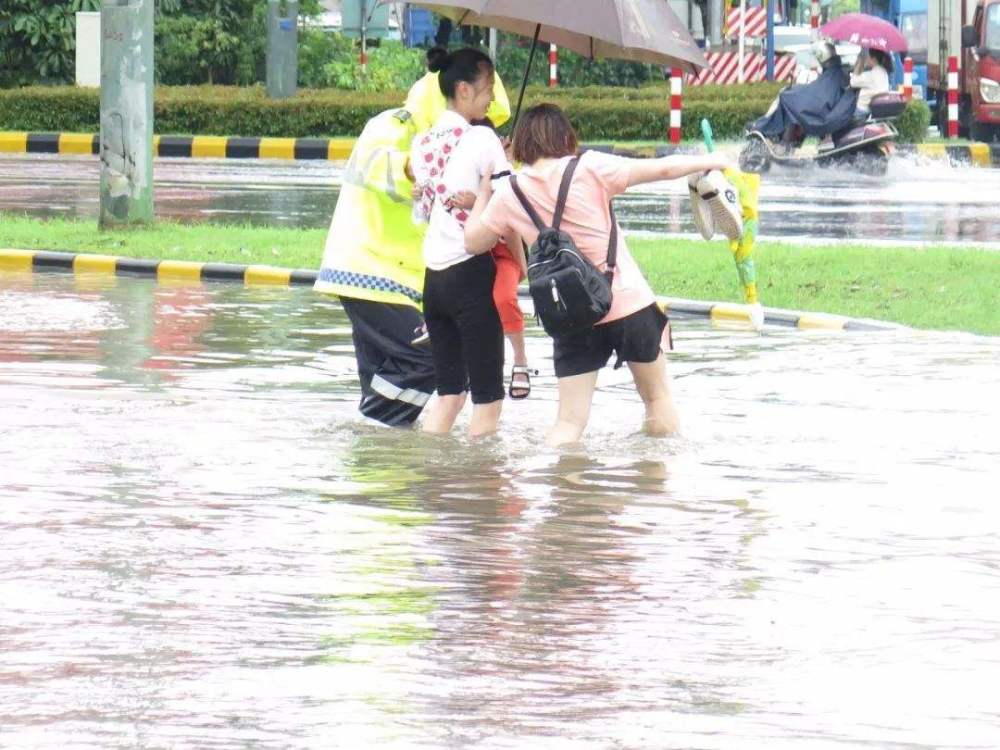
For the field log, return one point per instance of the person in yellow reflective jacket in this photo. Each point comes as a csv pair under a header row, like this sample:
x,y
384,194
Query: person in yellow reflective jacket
x,y
373,259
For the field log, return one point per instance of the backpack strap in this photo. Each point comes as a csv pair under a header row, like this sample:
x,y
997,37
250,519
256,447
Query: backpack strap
x,y
567,178
526,204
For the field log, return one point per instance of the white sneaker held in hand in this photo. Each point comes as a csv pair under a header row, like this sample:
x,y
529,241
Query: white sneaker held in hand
x,y
700,210
723,199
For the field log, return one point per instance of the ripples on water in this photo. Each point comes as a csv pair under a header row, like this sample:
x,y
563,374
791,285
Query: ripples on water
x,y
204,546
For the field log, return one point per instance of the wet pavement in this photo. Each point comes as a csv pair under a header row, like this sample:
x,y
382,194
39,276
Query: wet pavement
x,y
918,201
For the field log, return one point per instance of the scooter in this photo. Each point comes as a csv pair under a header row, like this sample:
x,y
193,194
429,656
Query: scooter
x,y
865,146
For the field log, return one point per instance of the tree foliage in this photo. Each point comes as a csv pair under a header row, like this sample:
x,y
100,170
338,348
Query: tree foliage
x,y
38,40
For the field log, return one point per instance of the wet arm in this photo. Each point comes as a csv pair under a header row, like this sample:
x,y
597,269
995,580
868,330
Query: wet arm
x,y
672,167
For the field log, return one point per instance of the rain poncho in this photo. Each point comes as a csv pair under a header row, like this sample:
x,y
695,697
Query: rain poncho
x,y
820,108
373,250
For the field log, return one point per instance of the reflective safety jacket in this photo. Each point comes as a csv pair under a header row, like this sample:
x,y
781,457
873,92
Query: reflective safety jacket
x,y
374,251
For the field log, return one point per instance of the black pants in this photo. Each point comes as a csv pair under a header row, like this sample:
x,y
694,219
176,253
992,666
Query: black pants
x,y
397,378
465,330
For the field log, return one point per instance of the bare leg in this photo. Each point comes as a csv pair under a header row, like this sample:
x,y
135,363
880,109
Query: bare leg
x,y
653,384
575,396
485,418
517,344
441,414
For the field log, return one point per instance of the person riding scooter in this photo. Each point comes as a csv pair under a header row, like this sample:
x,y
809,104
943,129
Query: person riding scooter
x,y
819,108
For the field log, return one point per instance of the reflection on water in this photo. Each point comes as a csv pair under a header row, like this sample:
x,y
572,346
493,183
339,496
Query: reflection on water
x,y
919,201
204,546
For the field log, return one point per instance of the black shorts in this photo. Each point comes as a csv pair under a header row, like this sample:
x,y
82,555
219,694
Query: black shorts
x,y
634,338
464,326
397,378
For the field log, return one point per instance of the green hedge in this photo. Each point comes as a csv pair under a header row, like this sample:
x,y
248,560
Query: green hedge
x,y
615,114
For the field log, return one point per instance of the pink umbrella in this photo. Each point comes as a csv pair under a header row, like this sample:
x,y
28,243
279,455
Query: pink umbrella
x,y
865,31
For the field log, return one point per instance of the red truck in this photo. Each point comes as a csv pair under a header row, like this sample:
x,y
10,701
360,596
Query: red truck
x,y
970,30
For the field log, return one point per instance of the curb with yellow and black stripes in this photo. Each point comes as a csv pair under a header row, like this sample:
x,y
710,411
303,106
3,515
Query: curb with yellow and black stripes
x,y
339,149
26,261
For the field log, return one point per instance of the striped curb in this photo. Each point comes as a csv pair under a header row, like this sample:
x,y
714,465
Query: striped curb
x,y
258,275
976,154
339,149
217,147
971,154
198,146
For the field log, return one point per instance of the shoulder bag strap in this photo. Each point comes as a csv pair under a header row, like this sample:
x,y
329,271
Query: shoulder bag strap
x,y
612,244
567,178
526,204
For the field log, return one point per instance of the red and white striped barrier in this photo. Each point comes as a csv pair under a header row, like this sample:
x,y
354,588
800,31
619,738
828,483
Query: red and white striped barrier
x,y
676,77
553,66
908,78
724,68
814,16
953,97
363,59
755,22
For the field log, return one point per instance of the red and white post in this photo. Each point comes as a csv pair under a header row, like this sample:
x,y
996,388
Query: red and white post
x,y
953,97
907,78
553,66
676,77
814,16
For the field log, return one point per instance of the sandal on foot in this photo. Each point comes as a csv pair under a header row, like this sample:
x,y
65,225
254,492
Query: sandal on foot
x,y
521,390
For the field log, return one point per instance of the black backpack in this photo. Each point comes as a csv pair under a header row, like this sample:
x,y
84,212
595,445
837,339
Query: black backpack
x,y
569,293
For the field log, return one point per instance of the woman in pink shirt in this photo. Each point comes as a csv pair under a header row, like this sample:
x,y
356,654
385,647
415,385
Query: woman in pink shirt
x,y
633,329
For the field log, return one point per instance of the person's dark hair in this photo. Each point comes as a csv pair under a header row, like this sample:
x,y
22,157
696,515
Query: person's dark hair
x,y
486,122
544,132
436,56
467,65
882,59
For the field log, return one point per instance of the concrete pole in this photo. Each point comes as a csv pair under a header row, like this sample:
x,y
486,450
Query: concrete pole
x,y
282,59
717,10
126,113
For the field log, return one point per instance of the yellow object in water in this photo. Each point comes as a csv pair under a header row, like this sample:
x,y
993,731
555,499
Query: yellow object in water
x,y
748,188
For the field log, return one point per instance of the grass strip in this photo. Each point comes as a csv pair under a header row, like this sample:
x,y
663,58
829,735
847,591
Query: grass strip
x,y
930,286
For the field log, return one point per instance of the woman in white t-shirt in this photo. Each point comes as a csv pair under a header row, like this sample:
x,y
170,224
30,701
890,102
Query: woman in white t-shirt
x,y
870,77
465,331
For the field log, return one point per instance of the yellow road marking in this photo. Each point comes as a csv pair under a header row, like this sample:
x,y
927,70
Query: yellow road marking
x,y
277,148
105,264
208,146
14,142
16,260
75,143
267,275
828,322
179,270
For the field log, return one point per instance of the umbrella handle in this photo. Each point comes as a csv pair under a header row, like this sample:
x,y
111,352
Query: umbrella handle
x,y
707,135
524,80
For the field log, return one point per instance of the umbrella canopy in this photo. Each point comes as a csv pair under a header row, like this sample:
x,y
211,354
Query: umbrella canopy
x,y
865,31
639,30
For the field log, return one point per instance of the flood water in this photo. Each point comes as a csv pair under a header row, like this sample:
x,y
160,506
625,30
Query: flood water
x,y
204,546
919,201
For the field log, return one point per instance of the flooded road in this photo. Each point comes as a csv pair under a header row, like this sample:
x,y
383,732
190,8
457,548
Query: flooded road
x,y
204,546
919,201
